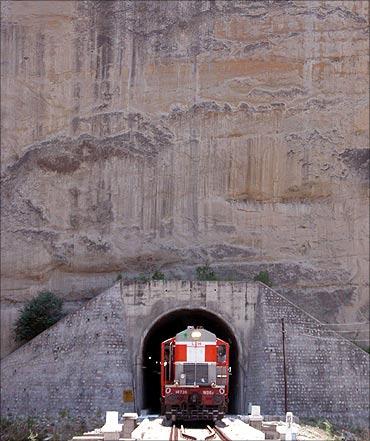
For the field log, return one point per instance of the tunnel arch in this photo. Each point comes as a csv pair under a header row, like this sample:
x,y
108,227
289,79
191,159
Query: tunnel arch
x,y
166,326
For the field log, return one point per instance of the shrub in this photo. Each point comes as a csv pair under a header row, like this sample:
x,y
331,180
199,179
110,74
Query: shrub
x,y
142,278
263,276
37,315
205,273
157,275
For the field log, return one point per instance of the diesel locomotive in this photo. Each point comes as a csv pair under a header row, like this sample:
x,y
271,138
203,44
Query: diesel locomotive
x,y
194,376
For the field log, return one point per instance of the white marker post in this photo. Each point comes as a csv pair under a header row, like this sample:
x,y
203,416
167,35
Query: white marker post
x,y
255,419
291,433
111,429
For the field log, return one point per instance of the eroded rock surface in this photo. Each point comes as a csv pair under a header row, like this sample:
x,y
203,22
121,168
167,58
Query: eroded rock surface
x,y
145,135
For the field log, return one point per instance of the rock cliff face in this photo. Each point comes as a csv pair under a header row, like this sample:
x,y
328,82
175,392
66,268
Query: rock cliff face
x,y
145,135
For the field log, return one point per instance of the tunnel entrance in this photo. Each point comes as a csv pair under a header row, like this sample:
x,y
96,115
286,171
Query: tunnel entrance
x,y
168,326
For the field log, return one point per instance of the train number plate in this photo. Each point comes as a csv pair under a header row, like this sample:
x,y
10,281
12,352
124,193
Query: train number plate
x,y
208,392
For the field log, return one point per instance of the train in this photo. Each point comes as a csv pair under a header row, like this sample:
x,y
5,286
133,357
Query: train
x,y
194,376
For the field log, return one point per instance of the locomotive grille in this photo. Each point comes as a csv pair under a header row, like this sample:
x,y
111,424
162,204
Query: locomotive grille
x,y
196,372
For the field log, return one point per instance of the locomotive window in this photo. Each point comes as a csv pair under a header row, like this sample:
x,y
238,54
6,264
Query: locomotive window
x,y
221,354
167,362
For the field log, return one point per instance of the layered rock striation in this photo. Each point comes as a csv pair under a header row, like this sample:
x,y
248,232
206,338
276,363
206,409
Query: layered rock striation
x,y
146,135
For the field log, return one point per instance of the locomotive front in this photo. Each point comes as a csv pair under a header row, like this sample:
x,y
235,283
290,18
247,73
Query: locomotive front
x,y
194,376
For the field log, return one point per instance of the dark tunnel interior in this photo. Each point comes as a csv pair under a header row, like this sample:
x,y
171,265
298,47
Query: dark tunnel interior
x,y
169,326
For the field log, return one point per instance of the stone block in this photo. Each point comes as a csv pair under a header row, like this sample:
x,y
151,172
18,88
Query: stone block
x,y
255,411
129,424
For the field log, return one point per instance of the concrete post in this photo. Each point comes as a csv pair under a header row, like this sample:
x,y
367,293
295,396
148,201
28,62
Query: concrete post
x,y
255,419
291,433
111,429
129,424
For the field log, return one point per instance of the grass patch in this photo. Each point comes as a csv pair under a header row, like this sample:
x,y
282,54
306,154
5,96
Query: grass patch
x,y
336,432
30,429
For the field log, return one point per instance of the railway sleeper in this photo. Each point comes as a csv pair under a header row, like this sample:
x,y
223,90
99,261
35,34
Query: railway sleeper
x,y
199,413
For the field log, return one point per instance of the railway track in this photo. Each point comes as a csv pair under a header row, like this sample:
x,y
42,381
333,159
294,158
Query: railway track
x,y
221,434
186,435
212,434
174,434
207,434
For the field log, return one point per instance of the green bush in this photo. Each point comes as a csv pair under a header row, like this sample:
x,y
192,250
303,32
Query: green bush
x,y
157,275
263,276
37,315
142,278
205,273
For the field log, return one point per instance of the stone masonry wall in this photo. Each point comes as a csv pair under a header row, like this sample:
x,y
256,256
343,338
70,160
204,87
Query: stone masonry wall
x,y
327,375
79,366
85,362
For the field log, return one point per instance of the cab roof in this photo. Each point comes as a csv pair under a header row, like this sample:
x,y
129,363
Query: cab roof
x,y
186,335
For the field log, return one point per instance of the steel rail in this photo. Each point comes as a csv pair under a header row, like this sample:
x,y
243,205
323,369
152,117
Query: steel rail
x,y
174,434
221,434
212,434
185,435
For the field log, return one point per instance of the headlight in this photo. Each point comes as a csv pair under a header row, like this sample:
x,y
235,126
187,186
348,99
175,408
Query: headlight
x,y
196,334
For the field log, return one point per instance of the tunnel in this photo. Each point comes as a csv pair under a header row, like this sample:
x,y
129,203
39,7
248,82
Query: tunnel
x,y
168,326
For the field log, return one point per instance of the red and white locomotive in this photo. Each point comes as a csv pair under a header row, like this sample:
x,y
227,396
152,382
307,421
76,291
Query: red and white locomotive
x,y
194,376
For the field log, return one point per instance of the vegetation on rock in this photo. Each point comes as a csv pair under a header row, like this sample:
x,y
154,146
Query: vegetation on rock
x,y
158,275
263,276
38,314
142,278
205,273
